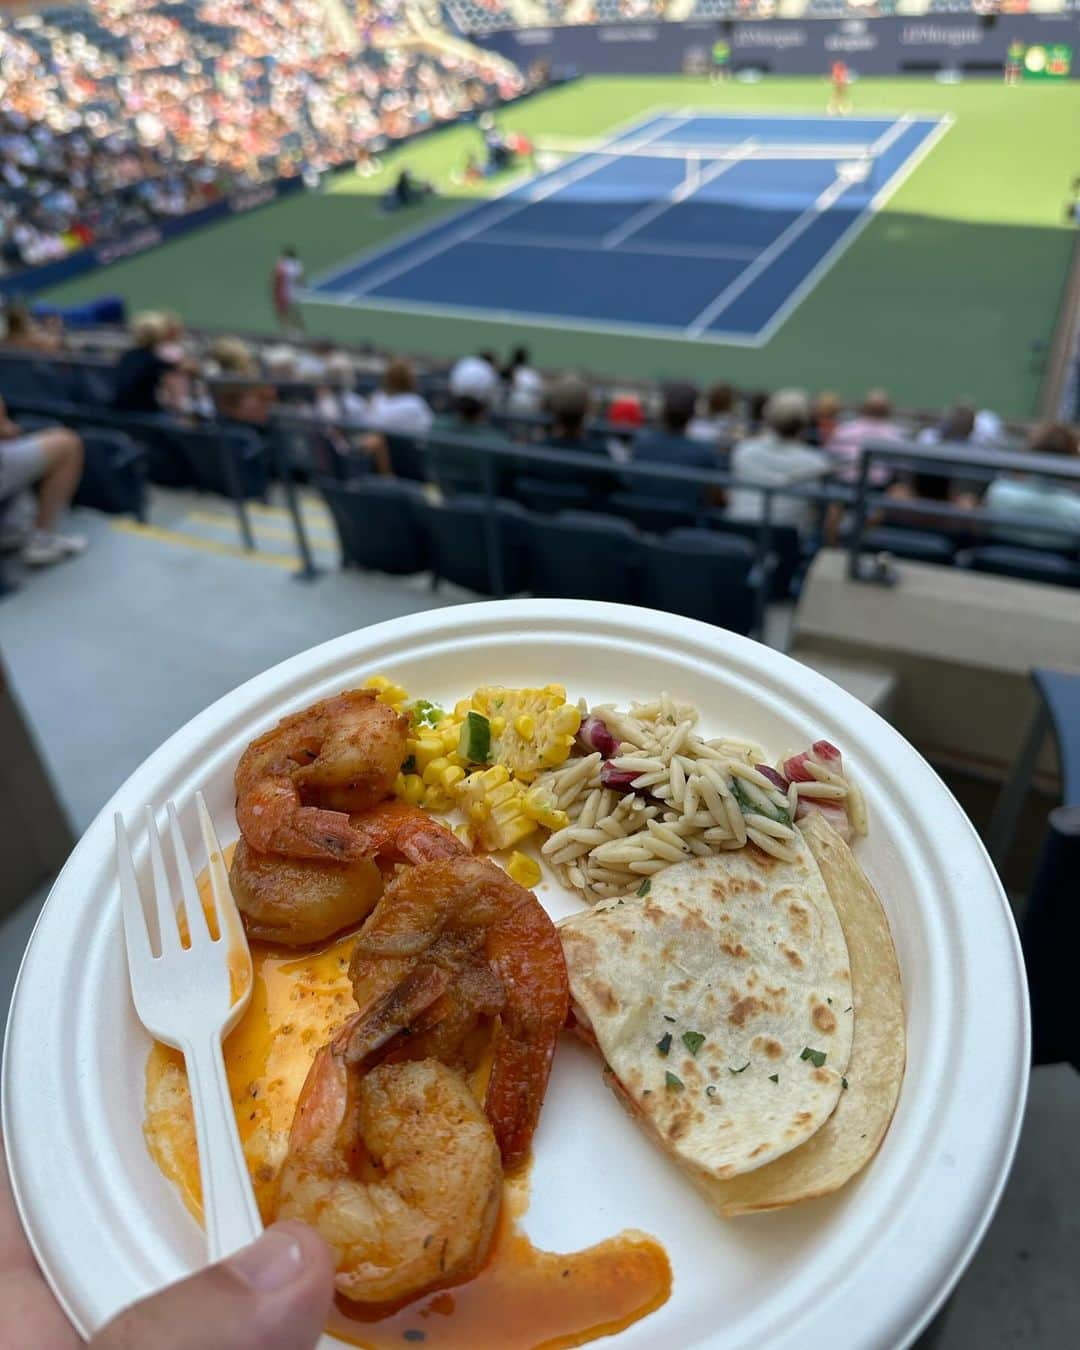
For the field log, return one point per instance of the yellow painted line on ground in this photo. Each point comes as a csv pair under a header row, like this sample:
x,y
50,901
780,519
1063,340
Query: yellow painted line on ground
x,y
163,536
271,531
309,511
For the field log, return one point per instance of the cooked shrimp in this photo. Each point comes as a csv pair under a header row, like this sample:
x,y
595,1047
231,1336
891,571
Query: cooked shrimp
x,y
394,831
501,955
397,1167
295,784
300,901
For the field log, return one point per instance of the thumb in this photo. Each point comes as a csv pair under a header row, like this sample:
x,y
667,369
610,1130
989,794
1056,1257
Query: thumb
x,y
273,1295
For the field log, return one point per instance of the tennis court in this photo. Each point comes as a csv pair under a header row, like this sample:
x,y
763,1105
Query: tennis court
x,y
684,225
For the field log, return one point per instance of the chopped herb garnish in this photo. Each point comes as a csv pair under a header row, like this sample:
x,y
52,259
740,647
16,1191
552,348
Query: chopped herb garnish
x,y
664,1043
644,888
710,1091
693,1040
742,1070
774,1078
672,1083
409,765
425,714
668,1019
843,1083
816,1057
848,1008
749,807
646,1092
828,1001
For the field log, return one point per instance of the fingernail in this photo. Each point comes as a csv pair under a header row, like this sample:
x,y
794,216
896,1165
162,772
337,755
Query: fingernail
x,y
274,1260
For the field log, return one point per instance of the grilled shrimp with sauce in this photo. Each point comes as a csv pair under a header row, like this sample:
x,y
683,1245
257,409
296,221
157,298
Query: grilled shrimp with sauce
x,y
296,784
500,956
396,1166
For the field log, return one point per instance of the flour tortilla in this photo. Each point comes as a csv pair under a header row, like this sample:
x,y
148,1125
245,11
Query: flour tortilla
x,y
852,1134
746,952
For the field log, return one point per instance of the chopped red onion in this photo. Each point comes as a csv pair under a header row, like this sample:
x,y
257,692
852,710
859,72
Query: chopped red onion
x,y
594,735
776,779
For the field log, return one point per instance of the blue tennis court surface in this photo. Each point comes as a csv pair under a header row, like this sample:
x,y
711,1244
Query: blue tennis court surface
x,y
684,225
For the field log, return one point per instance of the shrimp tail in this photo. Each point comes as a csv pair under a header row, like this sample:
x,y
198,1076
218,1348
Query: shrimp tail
x,y
515,1094
392,1015
398,832
310,832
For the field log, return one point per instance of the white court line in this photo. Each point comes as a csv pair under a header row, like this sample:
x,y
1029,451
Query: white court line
x,y
890,137
589,164
366,255
799,226
767,256
588,244
521,318
682,193
865,216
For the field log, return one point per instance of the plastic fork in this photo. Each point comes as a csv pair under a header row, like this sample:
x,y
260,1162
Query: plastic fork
x,y
184,997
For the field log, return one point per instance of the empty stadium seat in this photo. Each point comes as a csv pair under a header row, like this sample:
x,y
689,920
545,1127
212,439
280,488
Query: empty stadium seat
x,y
583,555
649,514
379,523
915,545
457,537
1025,564
703,575
114,474
785,549
231,461
548,496
407,457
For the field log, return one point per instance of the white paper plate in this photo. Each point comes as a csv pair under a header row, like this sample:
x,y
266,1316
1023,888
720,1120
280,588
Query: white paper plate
x,y
865,1268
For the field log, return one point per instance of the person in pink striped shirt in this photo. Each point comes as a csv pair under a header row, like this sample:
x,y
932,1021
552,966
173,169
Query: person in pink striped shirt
x,y
872,423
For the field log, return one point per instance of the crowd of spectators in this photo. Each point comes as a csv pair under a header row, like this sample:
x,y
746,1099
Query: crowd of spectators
x,y
123,113
782,439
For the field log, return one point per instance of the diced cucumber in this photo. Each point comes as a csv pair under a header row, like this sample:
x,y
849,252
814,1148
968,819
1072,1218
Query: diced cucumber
x,y
474,743
749,807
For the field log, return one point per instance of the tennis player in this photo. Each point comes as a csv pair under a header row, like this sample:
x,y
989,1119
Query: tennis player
x,y
288,272
840,101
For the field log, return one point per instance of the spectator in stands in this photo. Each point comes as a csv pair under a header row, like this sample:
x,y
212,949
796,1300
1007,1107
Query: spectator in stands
x,y
873,423
23,332
1041,498
778,458
241,396
474,387
569,402
625,417
718,425
50,462
669,445
755,410
826,418
151,376
398,407
957,427
524,386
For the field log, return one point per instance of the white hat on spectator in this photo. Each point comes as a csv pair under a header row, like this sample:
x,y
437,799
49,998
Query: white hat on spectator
x,y
786,406
526,390
474,378
989,428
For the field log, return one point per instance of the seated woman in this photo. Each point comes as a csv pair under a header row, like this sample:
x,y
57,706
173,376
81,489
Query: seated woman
x,y
154,374
49,462
24,333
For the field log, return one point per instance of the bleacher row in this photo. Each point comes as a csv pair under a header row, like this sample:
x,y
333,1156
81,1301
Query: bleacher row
x,y
503,518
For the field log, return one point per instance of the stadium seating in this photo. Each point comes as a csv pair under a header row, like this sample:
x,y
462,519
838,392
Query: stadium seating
x,y
702,575
378,522
585,555
459,545
915,545
1026,564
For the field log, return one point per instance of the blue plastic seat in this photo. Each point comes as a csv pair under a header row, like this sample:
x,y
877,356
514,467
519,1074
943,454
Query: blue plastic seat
x,y
785,549
915,545
703,575
1025,564
459,545
379,523
228,460
649,514
548,496
584,555
114,474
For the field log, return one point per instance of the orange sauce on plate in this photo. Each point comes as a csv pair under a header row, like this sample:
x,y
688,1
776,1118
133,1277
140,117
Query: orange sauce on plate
x,y
523,1298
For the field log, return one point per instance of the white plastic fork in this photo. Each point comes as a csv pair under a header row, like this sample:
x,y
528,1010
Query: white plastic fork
x,y
184,997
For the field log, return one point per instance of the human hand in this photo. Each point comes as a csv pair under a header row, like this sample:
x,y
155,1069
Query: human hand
x,y
273,1295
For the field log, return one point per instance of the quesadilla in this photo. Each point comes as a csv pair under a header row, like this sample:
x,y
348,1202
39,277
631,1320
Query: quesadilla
x,y
720,999
853,1133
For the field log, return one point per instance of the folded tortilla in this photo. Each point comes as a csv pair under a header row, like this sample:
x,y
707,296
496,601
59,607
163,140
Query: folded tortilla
x,y
721,1003
853,1133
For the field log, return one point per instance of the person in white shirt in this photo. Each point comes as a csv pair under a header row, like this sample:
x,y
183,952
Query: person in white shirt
x,y
1043,499
719,425
778,458
397,407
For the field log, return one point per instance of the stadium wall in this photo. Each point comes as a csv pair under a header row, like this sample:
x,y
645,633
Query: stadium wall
x,y
885,46
32,279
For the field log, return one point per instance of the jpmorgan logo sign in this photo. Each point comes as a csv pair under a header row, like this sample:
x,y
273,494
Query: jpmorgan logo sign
x,y
769,36
940,35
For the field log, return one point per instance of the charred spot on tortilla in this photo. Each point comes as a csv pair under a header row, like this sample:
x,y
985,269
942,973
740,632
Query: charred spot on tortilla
x,y
768,1046
823,1018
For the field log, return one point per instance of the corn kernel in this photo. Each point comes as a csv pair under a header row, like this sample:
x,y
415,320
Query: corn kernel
x,y
498,725
461,707
523,869
413,788
568,720
465,834
525,726
449,734
435,768
558,690
377,682
452,774
399,785
478,811
427,749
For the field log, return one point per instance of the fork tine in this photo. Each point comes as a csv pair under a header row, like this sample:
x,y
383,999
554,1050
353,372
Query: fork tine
x,y
168,929
196,917
224,904
136,935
